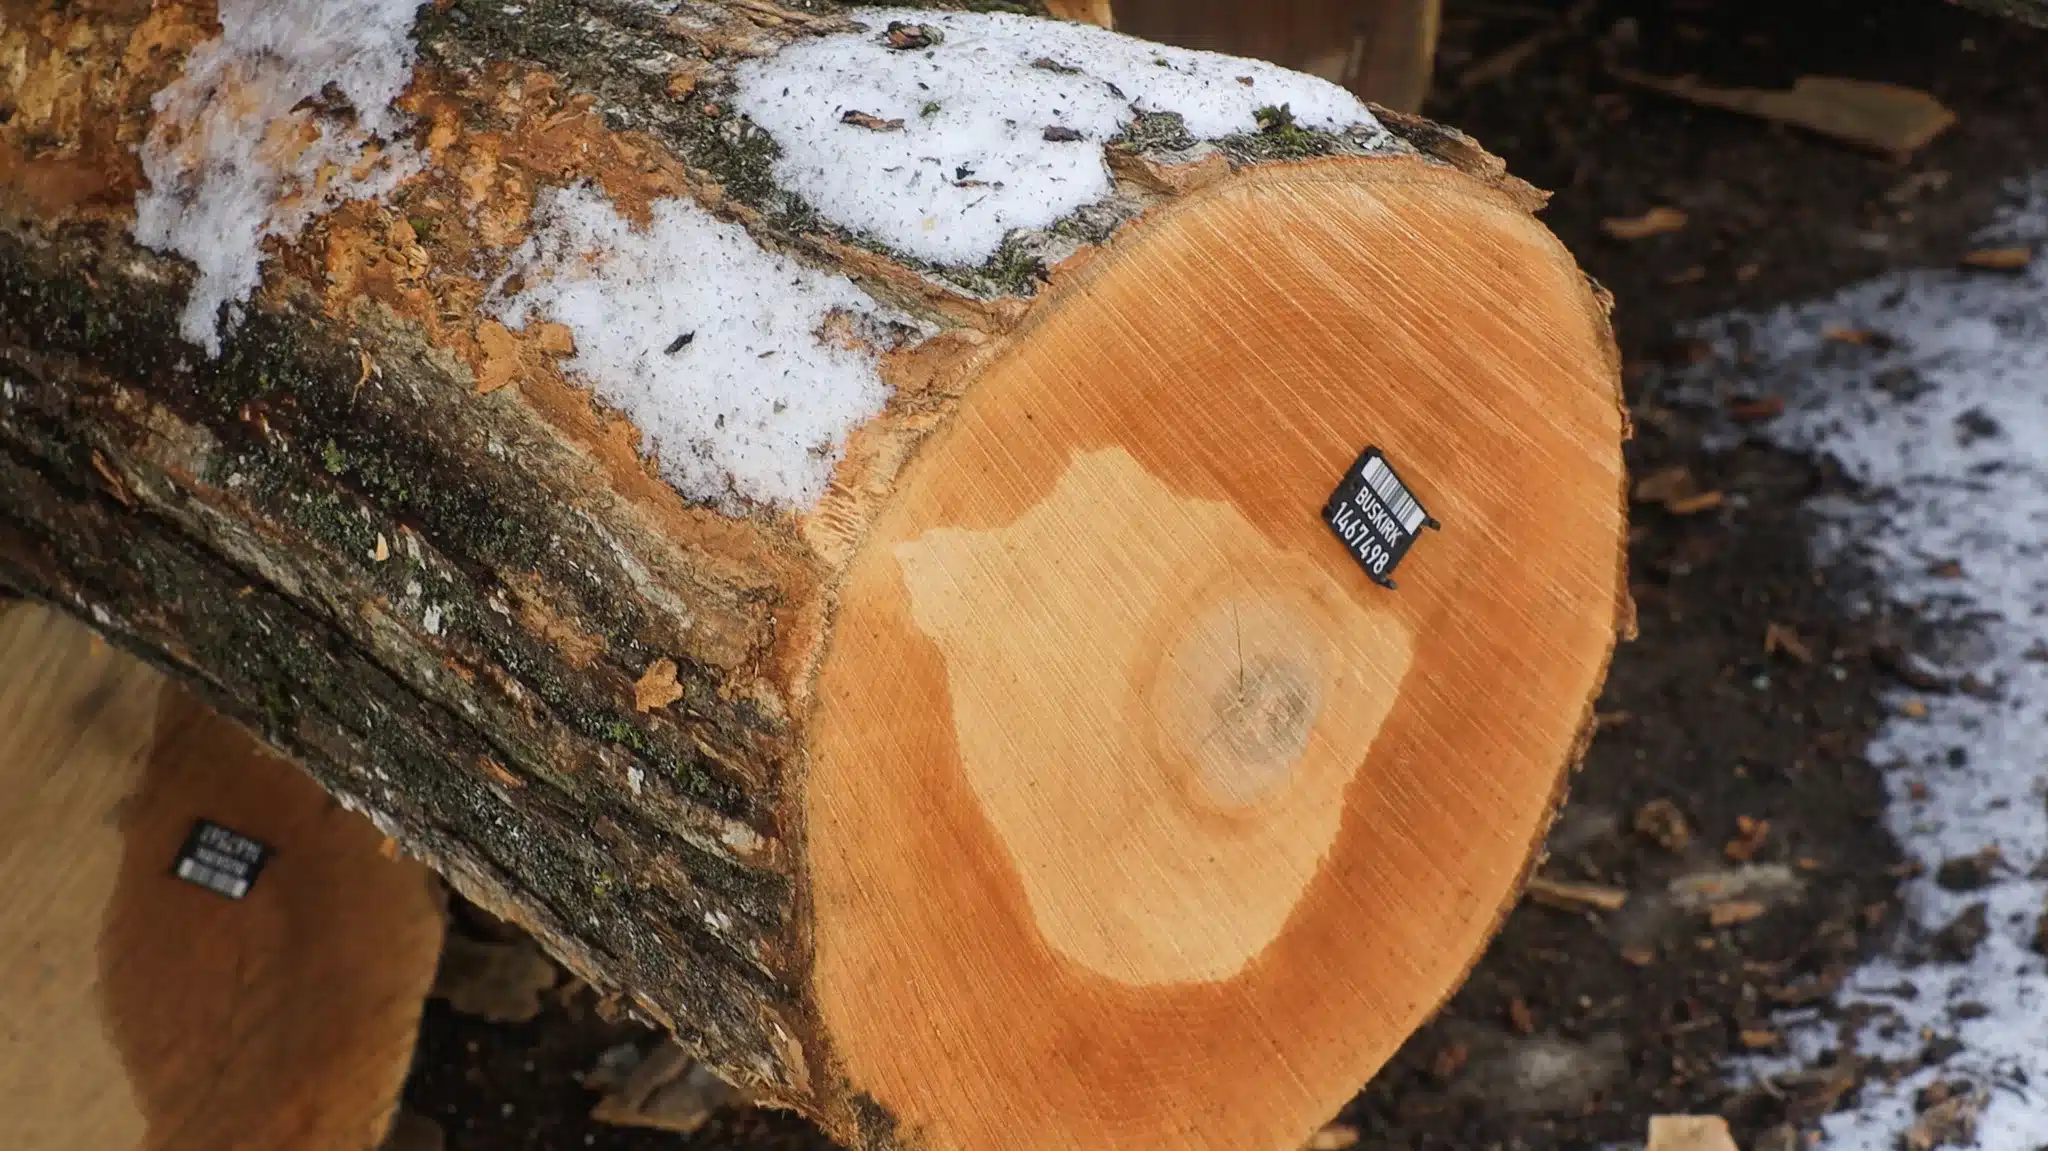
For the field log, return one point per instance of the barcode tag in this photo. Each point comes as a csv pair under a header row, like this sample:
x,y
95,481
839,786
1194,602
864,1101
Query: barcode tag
x,y
222,861
1375,516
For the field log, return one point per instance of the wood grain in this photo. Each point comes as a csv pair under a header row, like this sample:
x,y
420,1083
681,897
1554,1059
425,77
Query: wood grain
x,y
141,1011
1082,872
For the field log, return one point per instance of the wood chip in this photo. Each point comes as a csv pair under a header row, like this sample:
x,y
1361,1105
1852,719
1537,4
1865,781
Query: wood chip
x,y
1662,822
1638,956
498,774
1694,505
1872,114
1335,1137
1999,259
905,37
1757,410
1690,1133
1758,1039
683,83
1750,837
1733,912
501,982
1664,485
554,339
382,551
1952,1122
1655,222
1577,896
667,1091
1520,1018
656,687
871,122
1781,639
1913,709
500,350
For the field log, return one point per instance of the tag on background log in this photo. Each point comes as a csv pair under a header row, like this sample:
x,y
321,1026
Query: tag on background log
x,y
1375,516
222,861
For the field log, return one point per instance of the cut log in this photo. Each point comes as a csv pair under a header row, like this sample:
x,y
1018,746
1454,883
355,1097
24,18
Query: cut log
x,y
819,517
1384,50
143,1010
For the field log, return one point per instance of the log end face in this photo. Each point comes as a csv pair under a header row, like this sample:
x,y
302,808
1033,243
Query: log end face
x,y
1133,795
1144,696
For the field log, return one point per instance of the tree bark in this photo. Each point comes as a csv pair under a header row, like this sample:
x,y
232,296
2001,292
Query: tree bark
x,y
1055,777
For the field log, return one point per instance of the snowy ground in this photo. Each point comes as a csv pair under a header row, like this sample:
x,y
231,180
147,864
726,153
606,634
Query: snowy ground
x,y
1931,389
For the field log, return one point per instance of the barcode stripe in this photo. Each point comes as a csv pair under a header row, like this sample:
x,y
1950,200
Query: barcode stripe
x,y
1380,479
212,878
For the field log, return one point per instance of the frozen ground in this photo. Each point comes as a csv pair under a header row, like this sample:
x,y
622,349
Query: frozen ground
x,y
1931,390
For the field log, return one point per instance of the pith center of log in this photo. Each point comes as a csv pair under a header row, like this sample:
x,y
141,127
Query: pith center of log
x,y
1138,684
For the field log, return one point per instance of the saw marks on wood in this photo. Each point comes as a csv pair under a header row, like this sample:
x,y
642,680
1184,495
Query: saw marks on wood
x,y
1134,806
140,1011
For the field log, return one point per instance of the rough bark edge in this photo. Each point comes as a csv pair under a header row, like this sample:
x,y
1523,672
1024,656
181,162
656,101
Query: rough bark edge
x,y
92,465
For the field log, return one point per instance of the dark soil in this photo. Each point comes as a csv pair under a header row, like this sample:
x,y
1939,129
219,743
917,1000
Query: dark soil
x,y
1579,1025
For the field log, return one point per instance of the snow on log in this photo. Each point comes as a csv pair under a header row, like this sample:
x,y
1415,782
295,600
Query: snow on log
x,y
872,533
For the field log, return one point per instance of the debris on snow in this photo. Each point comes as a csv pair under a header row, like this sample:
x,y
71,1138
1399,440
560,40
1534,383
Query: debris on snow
x,y
754,400
252,139
1008,95
1945,426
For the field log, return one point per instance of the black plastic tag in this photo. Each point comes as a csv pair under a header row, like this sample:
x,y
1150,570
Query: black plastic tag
x,y
222,861
1376,517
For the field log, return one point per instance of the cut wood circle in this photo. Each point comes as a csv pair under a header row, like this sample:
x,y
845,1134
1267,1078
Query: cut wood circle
x,y
144,1011
1130,792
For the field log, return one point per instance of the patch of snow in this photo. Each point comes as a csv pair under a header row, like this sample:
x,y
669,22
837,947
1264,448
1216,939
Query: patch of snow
x,y
234,156
1948,431
743,367
971,161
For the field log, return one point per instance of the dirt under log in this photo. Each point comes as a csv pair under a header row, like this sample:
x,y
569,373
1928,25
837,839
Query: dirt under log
x,y
1057,768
